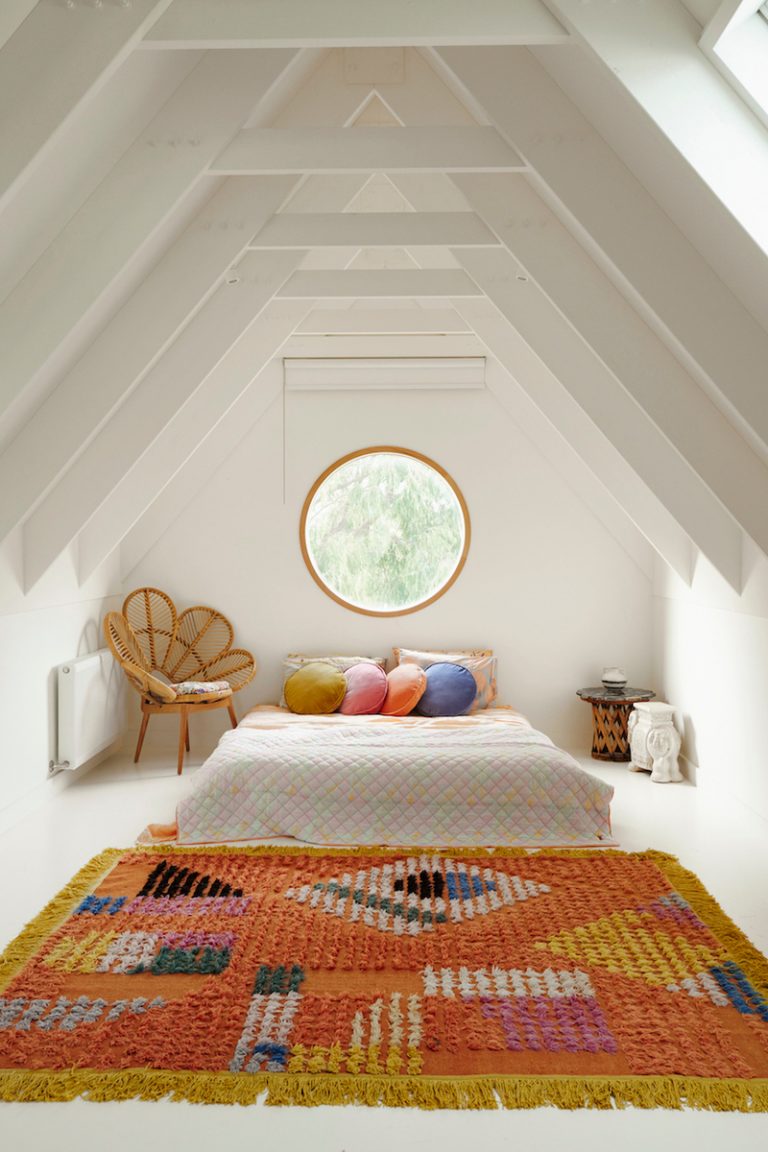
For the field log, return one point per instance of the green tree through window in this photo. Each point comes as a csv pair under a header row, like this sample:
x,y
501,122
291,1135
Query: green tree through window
x,y
385,531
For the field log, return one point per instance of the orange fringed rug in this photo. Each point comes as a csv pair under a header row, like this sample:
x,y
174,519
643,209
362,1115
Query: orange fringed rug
x,y
437,979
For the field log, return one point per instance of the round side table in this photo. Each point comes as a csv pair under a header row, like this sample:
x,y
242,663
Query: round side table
x,y
610,712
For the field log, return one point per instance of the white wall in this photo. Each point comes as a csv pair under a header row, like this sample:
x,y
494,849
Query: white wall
x,y
711,653
57,621
545,584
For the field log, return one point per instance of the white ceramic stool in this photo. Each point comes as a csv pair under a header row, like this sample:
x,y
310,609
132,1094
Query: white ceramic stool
x,y
654,742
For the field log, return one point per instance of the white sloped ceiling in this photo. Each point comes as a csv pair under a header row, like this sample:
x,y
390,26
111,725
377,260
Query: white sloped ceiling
x,y
205,195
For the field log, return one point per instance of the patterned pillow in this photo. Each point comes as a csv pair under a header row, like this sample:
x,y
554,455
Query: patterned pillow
x,y
481,662
450,691
295,660
318,687
434,654
366,689
198,687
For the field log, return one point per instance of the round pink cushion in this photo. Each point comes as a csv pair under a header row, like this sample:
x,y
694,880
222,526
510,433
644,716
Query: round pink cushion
x,y
406,685
366,689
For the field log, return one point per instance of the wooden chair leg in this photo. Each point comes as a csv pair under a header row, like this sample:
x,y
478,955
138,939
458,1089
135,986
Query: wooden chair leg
x,y
232,714
186,740
142,733
182,738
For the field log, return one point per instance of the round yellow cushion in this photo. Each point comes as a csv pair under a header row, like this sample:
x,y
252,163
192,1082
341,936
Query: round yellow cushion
x,y
315,689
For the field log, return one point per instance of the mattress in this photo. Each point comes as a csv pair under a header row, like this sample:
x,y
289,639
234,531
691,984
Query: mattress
x,y
487,778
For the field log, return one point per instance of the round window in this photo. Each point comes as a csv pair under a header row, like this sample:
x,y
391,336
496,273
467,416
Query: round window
x,y
385,531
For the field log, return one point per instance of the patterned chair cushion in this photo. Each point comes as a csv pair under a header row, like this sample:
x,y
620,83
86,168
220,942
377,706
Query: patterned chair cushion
x,y
191,690
189,687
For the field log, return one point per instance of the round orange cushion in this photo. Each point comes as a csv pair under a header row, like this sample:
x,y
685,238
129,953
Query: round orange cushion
x,y
315,689
406,685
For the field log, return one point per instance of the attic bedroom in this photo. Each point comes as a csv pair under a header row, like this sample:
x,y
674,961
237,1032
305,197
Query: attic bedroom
x,y
383,573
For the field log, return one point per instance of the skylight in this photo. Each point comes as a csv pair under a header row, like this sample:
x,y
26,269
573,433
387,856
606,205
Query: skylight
x,y
741,52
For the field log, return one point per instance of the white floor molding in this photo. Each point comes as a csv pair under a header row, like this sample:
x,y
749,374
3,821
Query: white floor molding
x,y
725,843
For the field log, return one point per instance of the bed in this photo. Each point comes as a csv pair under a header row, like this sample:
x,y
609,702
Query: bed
x,y
485,778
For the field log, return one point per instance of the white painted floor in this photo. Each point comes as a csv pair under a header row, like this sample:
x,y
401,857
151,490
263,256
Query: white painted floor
x,y
725,843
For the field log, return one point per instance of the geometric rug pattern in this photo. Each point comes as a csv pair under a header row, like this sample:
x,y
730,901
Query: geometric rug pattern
x,y
456,978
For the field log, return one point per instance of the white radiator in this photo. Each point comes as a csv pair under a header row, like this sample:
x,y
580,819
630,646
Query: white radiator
x,y
90,703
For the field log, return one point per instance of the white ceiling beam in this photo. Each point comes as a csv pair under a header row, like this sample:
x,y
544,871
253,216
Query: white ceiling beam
x,y
382,321
132,341
725,250
133,505
219,324
228,424
12,14
603,503
638,43
384,284
206,459
141,191
374,230
184,435
363,23
597,390
625,229
383,373
626,346
454,148
603,460
389,347
55,59
81,154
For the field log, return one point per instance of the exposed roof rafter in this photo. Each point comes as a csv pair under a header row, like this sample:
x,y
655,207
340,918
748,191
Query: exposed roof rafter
x,y
626,346
607,208
57,57
460,148
179,439
129,345
143,188
219,324
383,284
623,421
361,23
594,448
374,230
517,235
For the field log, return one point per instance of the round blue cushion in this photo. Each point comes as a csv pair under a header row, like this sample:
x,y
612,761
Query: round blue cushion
x,y
450,691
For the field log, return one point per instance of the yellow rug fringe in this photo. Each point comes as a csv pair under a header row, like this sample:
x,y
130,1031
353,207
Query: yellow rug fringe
x,y
740,948
427,1093
462,1092
34,935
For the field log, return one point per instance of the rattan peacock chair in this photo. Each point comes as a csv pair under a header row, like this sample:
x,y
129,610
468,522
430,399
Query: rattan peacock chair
x,y
179,663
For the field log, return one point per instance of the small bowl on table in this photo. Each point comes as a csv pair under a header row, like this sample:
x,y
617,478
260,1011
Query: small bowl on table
x,y
614,681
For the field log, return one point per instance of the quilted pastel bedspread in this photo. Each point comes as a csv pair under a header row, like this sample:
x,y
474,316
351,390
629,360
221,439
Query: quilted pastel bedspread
x,y
487,778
